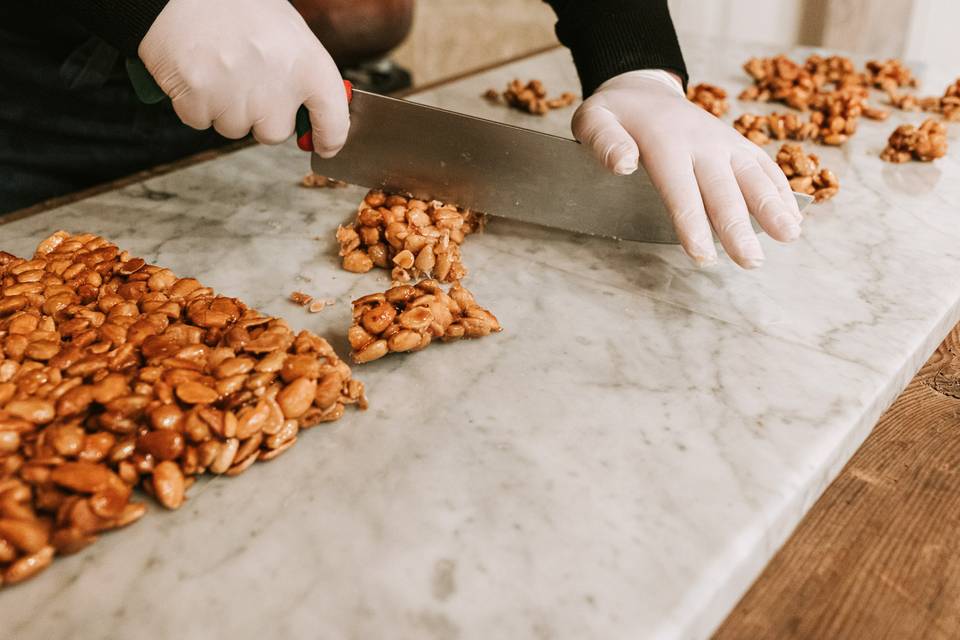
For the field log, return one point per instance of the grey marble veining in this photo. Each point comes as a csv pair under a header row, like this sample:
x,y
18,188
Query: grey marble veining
x,y
883,227
620,462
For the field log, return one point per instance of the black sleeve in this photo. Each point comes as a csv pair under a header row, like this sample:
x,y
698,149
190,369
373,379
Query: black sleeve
x,y
122,23
610,37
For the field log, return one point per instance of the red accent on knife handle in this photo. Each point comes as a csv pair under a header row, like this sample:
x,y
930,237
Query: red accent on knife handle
x,y
304,134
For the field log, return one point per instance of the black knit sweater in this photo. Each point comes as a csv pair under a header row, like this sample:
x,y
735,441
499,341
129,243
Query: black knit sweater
x,y
606,37
610,37
122,23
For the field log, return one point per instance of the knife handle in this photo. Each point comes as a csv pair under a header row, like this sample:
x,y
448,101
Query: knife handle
x,y
146,88
304,134
149,92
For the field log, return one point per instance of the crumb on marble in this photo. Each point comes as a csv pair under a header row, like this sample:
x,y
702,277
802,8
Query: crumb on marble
x,y
316,181
313,305
300,298
317,306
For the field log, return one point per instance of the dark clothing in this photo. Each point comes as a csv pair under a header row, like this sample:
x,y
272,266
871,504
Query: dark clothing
x,y
122,23
606,37
610,37
69,118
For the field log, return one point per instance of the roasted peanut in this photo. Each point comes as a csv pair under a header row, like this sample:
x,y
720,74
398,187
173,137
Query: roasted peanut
x,y
296,398
196,393
28,566
27,535
224,456
35,411
328,390
357,261
252,419
168,484
162,445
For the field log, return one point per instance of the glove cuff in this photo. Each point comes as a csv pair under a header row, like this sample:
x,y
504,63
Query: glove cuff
x,y
666,78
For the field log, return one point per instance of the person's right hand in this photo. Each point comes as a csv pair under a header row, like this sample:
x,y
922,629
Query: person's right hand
x,y
243,65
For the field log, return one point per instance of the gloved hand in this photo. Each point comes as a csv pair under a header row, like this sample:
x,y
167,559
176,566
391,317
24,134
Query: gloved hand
x,y
246,64
706,172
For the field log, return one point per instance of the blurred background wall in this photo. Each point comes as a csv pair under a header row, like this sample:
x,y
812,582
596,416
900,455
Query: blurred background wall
x,y
455,36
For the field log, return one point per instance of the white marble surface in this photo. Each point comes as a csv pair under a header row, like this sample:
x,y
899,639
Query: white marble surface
x,y
621,462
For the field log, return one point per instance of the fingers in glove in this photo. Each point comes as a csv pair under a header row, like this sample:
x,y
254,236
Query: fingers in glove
x,y
599,129
764,201
728,212
234,122
676,182
275,128
329,113
277,120
192,111
775,173
272,114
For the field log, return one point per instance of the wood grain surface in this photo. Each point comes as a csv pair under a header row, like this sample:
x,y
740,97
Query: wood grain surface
x,y
868,26
878,556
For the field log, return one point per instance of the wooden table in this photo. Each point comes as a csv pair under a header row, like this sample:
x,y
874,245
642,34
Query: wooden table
x,y
877,556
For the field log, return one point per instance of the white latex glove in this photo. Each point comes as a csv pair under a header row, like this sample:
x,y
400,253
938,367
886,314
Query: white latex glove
x,y
246,64
706,172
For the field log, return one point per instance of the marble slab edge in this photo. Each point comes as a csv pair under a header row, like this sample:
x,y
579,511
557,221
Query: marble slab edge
x,y
752,563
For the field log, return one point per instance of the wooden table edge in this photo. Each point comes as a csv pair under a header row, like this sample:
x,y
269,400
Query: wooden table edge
x,y
878,554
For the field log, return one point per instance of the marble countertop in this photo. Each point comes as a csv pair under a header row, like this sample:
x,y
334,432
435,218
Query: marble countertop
x,y
620,462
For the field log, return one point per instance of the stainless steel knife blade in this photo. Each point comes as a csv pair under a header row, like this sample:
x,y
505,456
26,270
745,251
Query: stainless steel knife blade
x,y
502,170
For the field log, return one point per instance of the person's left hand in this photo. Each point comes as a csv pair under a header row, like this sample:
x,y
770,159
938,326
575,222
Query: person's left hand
x,y
708,175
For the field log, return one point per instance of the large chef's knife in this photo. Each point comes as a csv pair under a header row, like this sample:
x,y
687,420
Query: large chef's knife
x,y
401,146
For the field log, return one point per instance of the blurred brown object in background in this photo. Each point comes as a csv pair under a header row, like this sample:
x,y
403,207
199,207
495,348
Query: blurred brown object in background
x,y
357,31
889,75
